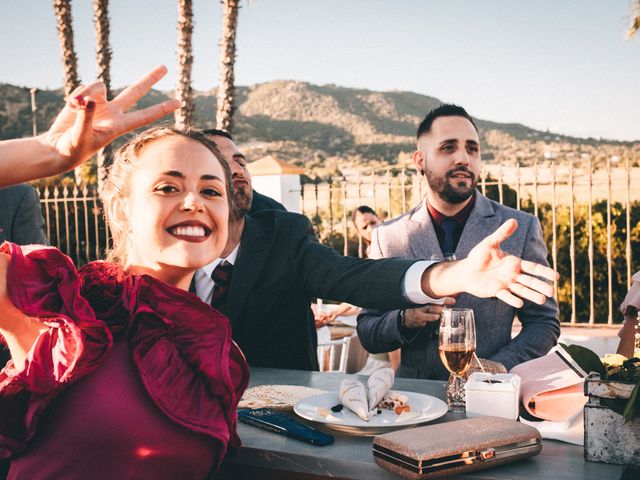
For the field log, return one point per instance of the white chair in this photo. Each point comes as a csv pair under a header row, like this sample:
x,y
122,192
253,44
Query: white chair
x,y
337,349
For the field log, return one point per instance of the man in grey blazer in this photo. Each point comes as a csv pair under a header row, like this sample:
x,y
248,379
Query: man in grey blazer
x,y
453,218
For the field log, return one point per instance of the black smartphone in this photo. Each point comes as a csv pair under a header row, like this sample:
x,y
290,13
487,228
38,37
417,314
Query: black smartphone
x,y
282,423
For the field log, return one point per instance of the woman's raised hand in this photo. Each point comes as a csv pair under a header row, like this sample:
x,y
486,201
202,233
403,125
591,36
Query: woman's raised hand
x,y
87,123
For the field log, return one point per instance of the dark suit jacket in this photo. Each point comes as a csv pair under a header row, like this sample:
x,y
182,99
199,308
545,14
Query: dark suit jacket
x,y
413,236
280,267
21,219
262,202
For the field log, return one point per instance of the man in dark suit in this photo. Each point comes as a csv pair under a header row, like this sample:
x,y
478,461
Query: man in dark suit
x,y
21,219
453,218
21,222
247,199
272,267
261,202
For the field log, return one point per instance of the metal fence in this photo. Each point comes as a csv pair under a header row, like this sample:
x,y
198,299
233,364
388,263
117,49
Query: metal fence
x,y
589,216
75,222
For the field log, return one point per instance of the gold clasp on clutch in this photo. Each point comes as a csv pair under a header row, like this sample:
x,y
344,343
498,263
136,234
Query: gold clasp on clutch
x,y
486,454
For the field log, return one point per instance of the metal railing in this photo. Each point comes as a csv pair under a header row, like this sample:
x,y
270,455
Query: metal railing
x,y
589,216
75,223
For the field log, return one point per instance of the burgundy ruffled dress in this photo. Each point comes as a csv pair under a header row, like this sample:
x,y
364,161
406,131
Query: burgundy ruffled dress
x,y
132,378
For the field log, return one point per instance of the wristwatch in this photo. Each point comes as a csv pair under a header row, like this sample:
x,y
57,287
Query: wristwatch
x,y
401,319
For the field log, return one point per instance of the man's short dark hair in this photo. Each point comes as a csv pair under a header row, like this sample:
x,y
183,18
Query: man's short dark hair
x,y
362,209
214,132
444,110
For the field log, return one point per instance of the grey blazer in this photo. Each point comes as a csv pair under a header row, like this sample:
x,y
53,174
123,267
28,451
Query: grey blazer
x,y
21,219
412,236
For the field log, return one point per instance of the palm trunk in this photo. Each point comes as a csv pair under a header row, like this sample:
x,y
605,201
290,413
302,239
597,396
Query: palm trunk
x,y
226,89
62,10
184,92
103,60
634,26
65,35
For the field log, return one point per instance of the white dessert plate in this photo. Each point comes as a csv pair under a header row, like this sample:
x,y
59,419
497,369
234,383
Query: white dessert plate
x,y
424,408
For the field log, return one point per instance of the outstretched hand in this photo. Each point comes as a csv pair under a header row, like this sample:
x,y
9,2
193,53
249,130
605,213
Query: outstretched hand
x,y
507,277
89,121
490,272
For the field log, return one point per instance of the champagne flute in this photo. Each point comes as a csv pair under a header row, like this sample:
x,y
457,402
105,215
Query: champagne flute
x,y
457,345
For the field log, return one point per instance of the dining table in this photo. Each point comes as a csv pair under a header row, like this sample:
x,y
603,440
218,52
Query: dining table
x,y
266,455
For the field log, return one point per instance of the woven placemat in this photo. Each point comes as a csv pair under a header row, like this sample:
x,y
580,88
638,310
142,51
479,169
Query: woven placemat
x,y
278,397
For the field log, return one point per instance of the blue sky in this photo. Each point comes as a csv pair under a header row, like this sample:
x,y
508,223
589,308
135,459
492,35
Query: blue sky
x,y
562,65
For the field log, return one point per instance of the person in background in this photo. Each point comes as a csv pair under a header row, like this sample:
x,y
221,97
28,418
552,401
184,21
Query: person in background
x,y
453,220
21,219
631,326
246,198
364,219
116,359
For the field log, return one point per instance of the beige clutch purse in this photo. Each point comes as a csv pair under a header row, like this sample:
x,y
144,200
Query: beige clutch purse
x,y
455,447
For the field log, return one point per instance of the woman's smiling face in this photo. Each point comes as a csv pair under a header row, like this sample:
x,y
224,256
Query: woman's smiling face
x,y
177,209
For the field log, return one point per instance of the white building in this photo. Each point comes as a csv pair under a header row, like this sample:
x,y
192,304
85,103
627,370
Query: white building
x,y
277,179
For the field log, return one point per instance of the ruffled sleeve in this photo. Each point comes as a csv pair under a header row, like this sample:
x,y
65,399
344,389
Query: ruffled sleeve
x,y
187,360
181,347
44,285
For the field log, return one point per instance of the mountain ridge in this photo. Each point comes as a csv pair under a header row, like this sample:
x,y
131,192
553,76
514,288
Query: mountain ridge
x,y
310,124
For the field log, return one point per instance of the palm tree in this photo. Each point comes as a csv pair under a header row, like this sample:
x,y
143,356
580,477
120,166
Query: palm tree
x,y
65,35
226,90
635,19
184,92
103,60
62,9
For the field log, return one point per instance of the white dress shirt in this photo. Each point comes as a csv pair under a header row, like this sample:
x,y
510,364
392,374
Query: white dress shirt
x,y
412,284
204,282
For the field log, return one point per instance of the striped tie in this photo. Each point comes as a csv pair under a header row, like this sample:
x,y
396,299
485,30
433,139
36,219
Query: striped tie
x,y
221,277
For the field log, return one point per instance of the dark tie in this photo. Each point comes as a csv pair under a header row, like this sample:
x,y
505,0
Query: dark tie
x,y
448,226
221,277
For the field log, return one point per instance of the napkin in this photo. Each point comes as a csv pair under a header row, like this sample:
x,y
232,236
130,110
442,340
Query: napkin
x,y
379,383
552,386
354,396
571,431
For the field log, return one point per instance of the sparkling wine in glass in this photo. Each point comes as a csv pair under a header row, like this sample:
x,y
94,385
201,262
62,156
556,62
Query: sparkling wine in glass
x,y
457,345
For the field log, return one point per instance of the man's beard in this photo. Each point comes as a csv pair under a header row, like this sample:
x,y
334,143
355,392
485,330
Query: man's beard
x,y
448,189
243,197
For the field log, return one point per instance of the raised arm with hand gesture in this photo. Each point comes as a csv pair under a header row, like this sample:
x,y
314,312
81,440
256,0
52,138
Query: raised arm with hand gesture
x,y
490,272
87,123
